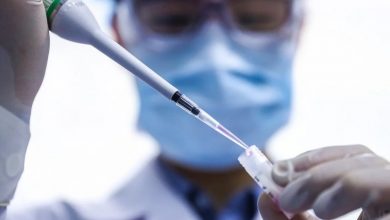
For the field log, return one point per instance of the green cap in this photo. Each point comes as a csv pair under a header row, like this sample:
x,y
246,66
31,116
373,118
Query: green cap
x,y
50,7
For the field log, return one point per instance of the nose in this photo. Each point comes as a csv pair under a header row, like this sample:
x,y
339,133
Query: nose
x,y
220,51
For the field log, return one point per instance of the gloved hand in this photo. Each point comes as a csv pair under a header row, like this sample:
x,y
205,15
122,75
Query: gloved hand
x,y
334,181
24,48
270,211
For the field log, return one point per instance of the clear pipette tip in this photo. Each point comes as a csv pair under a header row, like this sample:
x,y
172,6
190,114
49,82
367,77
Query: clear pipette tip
x,y
214,124
189,106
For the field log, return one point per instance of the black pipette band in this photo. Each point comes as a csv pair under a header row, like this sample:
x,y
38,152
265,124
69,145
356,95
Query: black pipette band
x,y
184,102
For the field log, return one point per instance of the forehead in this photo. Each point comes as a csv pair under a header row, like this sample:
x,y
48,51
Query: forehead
x,y
255,3
211,1
297,7
297,4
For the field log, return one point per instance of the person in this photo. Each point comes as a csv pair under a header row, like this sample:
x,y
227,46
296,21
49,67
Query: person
x,y
234,58
332,181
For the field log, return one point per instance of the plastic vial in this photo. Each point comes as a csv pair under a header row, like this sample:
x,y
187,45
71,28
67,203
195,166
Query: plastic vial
x,y
259,168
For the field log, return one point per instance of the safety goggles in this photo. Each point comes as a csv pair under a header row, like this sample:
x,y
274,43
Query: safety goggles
x,y
174,23
174,17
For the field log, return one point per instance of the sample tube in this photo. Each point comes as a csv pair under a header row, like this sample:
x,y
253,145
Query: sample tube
x,y
259,168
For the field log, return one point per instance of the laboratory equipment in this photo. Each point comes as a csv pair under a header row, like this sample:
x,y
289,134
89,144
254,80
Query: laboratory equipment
x,y
259,168
72,20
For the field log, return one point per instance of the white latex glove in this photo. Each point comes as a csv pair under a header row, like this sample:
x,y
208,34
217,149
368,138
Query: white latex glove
x,y
24,48
270,211
334,181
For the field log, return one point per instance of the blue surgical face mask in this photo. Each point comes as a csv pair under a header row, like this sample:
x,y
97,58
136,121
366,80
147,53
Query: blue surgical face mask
x,y
247,90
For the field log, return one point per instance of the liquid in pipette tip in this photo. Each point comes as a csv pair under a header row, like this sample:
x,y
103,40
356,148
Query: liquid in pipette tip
x,y
227,133
214,124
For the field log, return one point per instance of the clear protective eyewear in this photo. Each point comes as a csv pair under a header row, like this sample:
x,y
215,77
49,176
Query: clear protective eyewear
x,y
248,21
172,17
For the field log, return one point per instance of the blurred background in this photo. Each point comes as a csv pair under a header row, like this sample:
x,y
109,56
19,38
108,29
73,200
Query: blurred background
x,y
85,142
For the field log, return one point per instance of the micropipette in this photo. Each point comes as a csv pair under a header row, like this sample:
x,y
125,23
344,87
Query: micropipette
x,y
72,20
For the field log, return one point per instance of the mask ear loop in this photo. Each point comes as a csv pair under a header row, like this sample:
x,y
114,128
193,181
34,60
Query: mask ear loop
x,y
126,26
297,21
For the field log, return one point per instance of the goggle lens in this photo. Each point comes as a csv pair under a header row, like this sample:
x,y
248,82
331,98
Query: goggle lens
x,y
259,15
172,17
167,16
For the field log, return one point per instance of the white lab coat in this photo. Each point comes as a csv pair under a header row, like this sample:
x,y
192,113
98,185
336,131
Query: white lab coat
x,y
145,197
